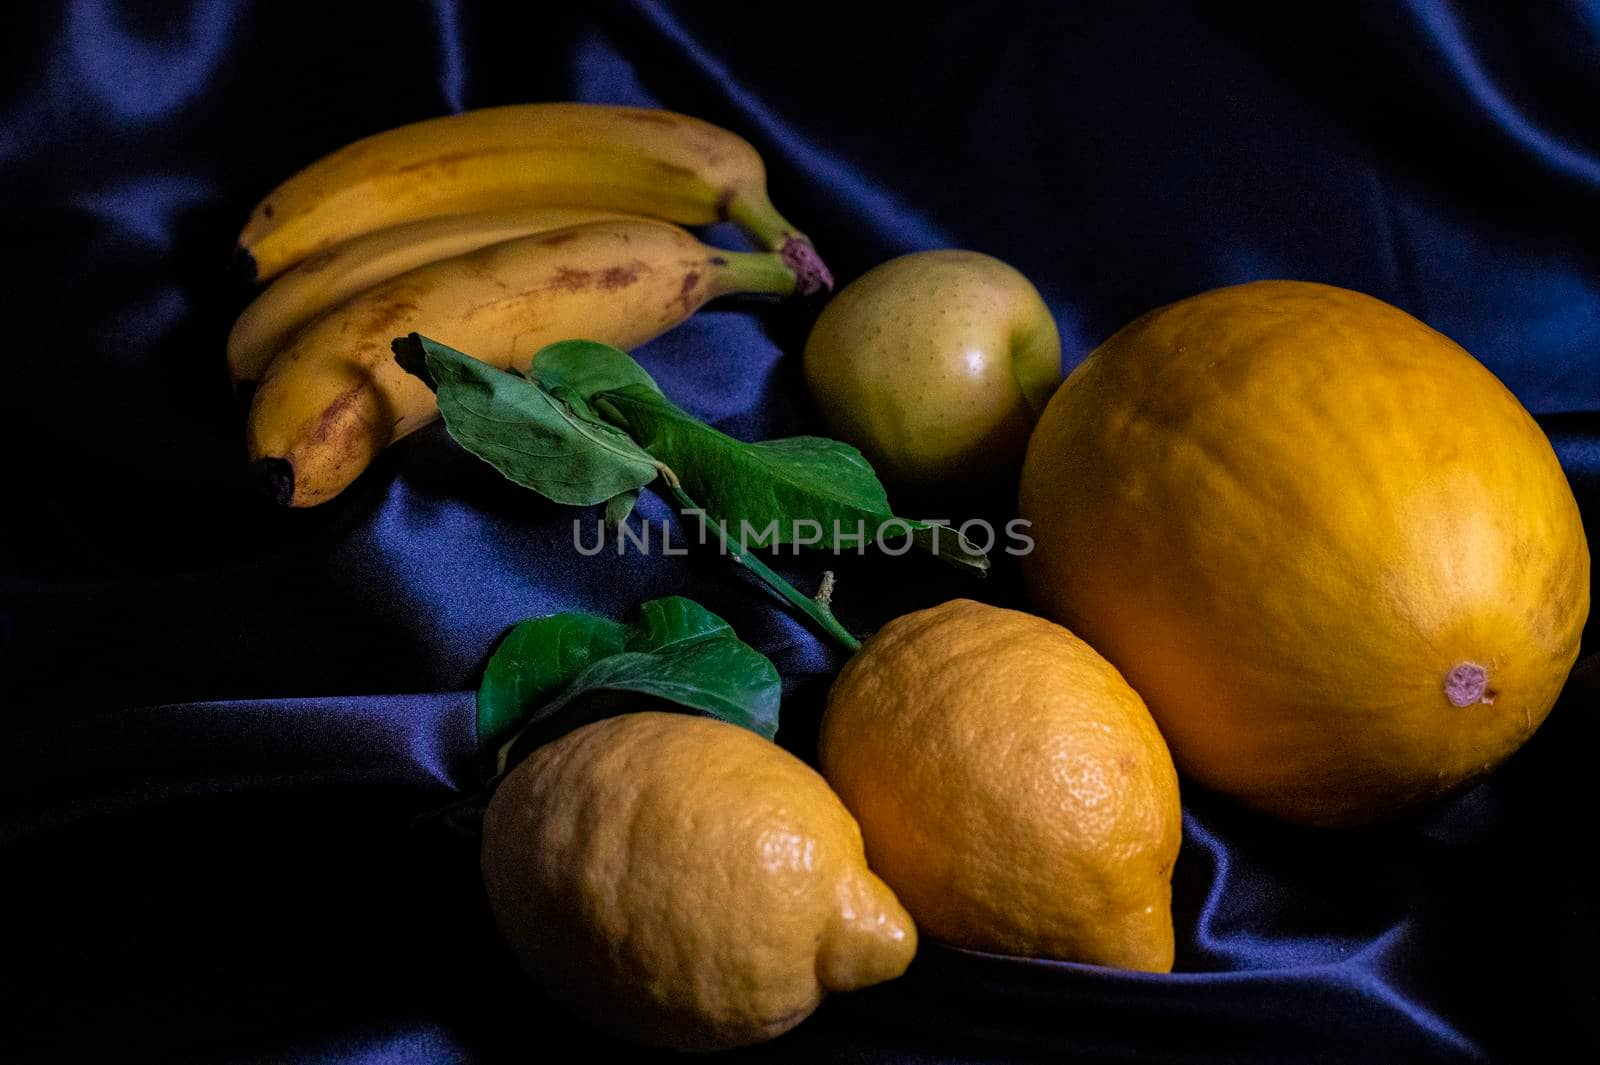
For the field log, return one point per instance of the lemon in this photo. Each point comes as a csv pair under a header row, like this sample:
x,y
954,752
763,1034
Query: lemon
x,y
686,882
1011,788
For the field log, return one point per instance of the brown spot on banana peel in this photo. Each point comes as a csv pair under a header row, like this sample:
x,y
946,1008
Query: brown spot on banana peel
x,y
351,431
725,203
709,148
674,170
570,280
447,164
329,422
686,294
615,277
478,270
612,278
386,316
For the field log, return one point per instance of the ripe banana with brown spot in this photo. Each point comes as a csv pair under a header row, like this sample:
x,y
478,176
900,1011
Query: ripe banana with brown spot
x,y
334,398
638,160
332,276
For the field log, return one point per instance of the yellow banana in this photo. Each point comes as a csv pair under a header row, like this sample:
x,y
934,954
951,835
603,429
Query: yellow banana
x,y
330,277
637,160
334,398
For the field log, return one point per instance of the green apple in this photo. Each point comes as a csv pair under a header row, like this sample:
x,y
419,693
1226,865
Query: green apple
x,y
936,366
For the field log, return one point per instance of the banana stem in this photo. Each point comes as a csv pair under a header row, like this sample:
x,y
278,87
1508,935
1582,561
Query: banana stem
x,y
755,272
762,221
756,215
817,610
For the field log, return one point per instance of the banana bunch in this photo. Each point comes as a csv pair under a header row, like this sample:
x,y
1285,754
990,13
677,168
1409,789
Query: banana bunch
x,y
496,232
330,277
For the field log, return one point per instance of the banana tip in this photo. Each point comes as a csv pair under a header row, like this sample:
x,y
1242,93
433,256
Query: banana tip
x,y
811,274
275,478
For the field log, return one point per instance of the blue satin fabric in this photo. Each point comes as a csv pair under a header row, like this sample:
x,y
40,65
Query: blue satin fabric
x,y
222,722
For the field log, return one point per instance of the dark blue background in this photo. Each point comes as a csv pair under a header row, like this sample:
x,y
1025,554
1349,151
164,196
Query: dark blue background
x,y
235,874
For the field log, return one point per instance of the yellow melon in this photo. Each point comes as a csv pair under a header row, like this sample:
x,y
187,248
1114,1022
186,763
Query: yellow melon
x,y
1333,553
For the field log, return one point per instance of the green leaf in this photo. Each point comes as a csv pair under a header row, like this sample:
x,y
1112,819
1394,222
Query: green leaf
x,y
676,619
531,436
537,659
619,506
549,673
765,491
945,542
588,368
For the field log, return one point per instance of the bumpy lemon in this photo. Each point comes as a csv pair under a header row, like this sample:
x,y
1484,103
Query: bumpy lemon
x,y
686,883
1011,788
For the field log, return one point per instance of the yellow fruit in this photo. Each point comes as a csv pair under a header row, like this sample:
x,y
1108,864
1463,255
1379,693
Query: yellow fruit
x,y
1333,553
334,398
936,366
1011,788
685,882
638,160
333,276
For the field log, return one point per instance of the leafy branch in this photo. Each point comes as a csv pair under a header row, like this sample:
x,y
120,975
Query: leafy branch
x,y
819,607
551,674
588,425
